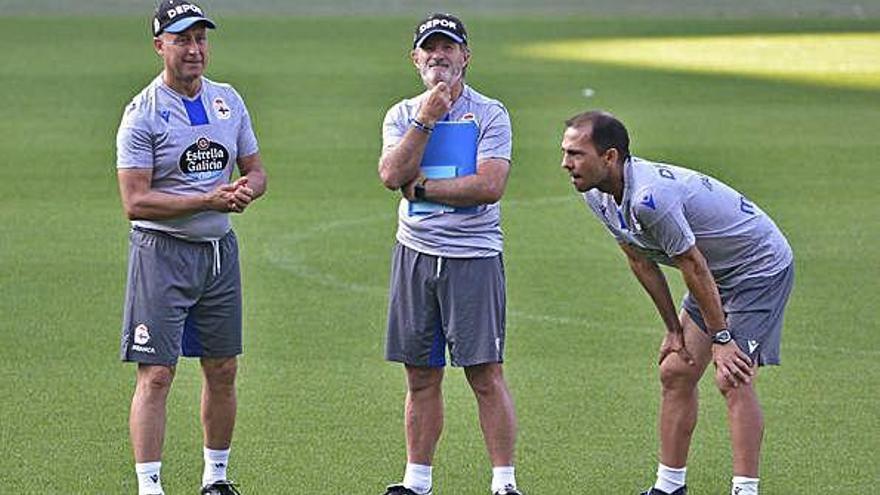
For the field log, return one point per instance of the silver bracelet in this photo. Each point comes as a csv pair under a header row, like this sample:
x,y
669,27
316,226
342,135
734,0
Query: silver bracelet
x,y
422,127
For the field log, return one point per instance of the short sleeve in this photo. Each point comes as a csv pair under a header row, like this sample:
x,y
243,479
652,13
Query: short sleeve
x,y
660,213
246,140
134,141
394,126
496,135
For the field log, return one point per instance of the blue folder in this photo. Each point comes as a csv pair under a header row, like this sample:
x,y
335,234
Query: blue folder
x,y
451,152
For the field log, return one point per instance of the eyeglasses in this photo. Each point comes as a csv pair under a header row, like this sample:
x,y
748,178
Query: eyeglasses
x,y
199,40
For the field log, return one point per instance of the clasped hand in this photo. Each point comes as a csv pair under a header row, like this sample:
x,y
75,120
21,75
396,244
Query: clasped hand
x,y
233,197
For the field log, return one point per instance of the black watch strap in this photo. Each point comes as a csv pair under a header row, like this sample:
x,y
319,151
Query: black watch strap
x,y
419,189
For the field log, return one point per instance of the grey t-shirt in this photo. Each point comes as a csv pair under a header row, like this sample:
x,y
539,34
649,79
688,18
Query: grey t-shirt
x,y
667,209
476,232
191,146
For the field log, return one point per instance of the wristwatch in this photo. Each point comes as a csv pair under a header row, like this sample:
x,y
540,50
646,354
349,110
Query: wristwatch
x,y
419,189
722,337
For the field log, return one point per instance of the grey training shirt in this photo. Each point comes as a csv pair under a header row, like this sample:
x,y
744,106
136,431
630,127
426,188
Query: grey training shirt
x,y
476,233
667,209
190,144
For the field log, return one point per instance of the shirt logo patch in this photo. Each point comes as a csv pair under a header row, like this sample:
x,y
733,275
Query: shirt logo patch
x,y
165,114
648,200
221,109
469,117
204,159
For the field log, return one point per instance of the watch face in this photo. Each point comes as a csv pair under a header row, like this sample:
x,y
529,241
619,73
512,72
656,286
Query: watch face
x,y
722,337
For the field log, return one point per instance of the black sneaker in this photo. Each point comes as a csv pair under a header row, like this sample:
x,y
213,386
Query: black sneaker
x,y
399,489
224,487
653,491
508,490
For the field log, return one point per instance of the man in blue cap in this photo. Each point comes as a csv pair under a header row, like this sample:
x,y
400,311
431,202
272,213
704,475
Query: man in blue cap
x,y
177,145
447,269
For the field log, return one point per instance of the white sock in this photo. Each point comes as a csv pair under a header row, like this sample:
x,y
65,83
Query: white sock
x,y
670,479
216,462
744,486
417,478
149,482
503,477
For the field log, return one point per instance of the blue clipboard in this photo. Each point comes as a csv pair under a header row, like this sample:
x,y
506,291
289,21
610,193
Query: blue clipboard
x,y
451,152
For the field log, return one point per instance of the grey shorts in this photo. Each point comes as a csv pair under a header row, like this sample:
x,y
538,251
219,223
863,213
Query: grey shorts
x,y
437,303
182,298
754,311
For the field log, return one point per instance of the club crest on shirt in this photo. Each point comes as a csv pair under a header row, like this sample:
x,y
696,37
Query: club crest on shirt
x,y
221,109
204,159
469,117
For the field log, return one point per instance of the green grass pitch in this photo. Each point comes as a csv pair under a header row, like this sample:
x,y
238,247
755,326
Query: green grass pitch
x,y
319,409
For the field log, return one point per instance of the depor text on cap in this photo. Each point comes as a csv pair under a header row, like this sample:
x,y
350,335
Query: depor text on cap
x,y
446,24
176,16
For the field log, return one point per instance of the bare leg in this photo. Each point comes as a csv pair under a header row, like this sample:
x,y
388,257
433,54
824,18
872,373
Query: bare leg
x,y
146,421
424,413
497,415
746,425
679,395
218,401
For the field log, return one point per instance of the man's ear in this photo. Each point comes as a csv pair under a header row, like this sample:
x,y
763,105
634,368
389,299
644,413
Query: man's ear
x,y
157,45
611,155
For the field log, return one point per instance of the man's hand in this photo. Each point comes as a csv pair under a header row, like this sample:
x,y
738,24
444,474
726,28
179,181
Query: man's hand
x,y
242,195
435,105
732,364
673,342
409,189
233,197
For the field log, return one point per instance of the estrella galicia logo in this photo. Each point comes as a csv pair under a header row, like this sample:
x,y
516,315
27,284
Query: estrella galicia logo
x,y
204,159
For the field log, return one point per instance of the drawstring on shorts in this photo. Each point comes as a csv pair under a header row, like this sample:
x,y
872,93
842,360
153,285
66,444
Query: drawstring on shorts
x,y
216,246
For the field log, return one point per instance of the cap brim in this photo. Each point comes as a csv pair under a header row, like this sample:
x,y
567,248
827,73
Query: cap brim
x,y
186,23
449,34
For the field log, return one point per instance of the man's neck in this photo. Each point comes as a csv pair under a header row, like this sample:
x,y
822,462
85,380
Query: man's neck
x,y
457,90
617,183
187,88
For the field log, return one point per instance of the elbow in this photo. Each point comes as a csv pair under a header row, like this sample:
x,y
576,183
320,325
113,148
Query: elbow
x,y
493,193
133,211
388,179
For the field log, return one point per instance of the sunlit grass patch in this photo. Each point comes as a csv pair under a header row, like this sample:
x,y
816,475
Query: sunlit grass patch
x,y
834,59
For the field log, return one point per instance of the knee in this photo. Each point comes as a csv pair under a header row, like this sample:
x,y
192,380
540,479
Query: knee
x,y
155,379
220,372
485,379
727,389
424,380
678,375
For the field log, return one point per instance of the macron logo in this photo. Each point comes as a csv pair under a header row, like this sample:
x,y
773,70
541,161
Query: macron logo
x,y
753,344
437,22
649,201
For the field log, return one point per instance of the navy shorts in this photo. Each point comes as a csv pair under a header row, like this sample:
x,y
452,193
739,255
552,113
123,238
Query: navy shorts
x,y
182,299
438,302
754,311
